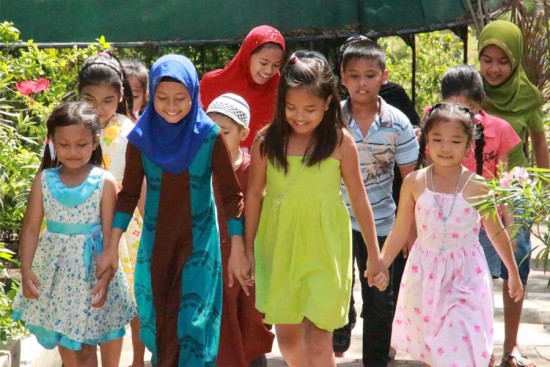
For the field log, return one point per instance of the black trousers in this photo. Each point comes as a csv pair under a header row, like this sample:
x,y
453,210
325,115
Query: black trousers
x,y
377,310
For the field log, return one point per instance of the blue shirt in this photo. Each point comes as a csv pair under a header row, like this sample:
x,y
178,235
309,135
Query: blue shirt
x,y
390,140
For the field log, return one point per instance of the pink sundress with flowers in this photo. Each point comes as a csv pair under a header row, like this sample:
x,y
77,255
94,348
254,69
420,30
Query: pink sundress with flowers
x,y
444,314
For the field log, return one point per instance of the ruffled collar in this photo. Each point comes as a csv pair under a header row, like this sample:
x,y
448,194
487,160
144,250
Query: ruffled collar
x,y
72,196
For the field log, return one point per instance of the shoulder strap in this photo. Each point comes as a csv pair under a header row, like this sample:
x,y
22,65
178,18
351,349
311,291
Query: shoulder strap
x,y
467,181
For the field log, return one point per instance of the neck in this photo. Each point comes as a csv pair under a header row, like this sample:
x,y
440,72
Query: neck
x,y
447,172
236,158
367,107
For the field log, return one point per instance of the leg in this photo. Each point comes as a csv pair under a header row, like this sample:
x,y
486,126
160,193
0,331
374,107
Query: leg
x,y
290,338
512,310
110,352
137,344
377,312
318,346
341,338
87,357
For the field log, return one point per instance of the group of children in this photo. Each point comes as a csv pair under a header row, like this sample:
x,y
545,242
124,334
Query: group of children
x,y
202,284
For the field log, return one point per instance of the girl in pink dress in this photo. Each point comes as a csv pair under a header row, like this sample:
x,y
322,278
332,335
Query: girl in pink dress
x,y
444,314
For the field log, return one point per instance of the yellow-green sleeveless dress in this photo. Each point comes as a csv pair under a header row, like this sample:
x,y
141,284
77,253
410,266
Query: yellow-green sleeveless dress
x,y
303,246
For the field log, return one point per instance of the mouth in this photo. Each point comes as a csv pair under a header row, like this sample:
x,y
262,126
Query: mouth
x,y
300,123
362,92
172,114
264,76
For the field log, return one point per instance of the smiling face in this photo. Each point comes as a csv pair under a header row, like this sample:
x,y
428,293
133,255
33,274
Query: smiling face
x,y
363,79
448,142
304,110
74,145
265,63
172,101
494,65
105,99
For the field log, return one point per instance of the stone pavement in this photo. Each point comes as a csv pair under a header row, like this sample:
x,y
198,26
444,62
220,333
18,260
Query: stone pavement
x,y
534,333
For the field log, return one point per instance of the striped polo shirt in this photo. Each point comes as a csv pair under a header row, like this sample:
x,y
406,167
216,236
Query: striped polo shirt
x,y
390,140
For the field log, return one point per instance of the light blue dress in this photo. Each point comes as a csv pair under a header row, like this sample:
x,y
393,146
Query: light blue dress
x,y
64,263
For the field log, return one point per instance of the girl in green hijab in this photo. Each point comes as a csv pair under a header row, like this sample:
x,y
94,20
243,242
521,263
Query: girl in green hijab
x,y
511,96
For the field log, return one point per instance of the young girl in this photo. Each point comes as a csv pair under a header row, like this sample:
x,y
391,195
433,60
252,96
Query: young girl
x,y
253,74
511,96
138,78
299,232
102,82
177,148
60,299
444,311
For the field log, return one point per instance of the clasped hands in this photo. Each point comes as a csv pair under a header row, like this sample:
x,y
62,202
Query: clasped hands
x,y
377,274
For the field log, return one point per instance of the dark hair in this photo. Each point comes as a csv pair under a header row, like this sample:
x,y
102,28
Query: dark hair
x,y
67,114
105,68
445,112
361,47
311,71
136,69
463,80
272,45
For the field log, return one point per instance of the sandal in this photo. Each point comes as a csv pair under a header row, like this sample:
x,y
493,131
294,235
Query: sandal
x,y
521,360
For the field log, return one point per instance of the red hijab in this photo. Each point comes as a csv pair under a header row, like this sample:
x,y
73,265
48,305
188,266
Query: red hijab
x,y
235,77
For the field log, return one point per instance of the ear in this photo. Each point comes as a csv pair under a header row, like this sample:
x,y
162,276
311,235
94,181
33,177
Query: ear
x,y
327,102
385,75
243,134
96,141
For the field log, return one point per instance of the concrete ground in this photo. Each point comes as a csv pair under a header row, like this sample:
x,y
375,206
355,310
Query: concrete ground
x,y
534,333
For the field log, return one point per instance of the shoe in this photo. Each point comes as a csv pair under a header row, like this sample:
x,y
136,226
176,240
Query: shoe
x,y
341,339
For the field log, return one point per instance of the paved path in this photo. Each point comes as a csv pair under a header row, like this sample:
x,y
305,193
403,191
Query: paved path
x,y
534,335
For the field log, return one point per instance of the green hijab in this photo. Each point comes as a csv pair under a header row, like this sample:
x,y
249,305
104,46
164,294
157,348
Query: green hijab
x,y
517,96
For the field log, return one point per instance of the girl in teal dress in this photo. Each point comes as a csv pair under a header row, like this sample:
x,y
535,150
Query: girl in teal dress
x,y
61,301
298,230
178,283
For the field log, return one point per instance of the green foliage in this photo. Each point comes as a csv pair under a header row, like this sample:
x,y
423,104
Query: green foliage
x,y
8,328
22,117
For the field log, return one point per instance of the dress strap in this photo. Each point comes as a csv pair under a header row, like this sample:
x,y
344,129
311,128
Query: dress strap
x,y
467,181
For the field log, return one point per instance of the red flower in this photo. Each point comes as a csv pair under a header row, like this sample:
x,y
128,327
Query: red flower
x,y
27,87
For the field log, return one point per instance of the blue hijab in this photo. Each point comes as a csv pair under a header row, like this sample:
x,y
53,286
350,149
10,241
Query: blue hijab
x,y
172,146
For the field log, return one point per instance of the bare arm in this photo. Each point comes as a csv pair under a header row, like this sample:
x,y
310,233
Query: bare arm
x,y
405,170
254,199
29,238
540,148
360,203
403,224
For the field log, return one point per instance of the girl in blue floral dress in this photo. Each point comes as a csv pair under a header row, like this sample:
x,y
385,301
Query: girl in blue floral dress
x,y
60,299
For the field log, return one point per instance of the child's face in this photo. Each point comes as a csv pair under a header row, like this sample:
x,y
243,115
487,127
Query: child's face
x,y
105,99
494,65
465,101
304,110
265,63
448,143
138,93
74,145
363,79
233,132
172,101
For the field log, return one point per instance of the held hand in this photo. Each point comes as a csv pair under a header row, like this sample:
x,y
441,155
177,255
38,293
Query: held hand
x,y
31,285
252,264
515,288
381,281
99,292
375,266
106,262
238,266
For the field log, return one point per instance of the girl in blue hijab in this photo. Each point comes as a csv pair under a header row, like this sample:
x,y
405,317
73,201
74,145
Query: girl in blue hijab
x,y
178,283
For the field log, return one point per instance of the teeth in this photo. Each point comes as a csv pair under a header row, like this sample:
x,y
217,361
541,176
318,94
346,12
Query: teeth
x,y
300,123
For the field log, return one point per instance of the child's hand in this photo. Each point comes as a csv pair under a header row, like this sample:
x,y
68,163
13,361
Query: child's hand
x,y
30,285
515,288
106,262
375,266
380,281
238,266
99,292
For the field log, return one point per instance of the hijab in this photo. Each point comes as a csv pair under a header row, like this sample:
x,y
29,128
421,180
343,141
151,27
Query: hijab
x,y
235,77
517,96
172,146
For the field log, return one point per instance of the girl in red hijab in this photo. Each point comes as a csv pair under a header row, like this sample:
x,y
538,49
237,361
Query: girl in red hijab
x,y
253,74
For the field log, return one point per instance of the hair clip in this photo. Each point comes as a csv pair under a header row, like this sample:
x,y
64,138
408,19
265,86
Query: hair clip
x,y
293,59
427,109
104,54
478,119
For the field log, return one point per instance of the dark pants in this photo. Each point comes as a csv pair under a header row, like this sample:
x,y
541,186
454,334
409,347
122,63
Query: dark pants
x,y
377,311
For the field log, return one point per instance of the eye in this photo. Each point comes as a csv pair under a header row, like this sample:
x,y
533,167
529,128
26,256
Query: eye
x,y
310,110
62,144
